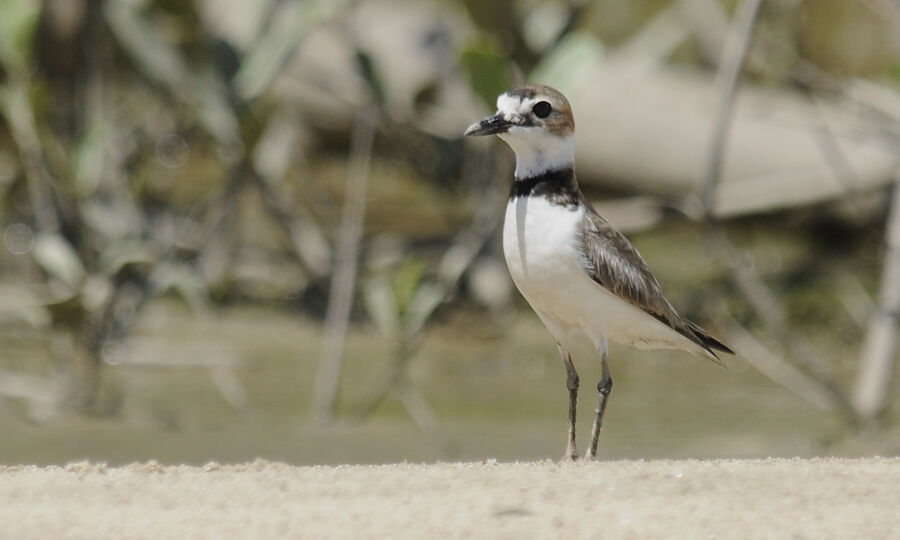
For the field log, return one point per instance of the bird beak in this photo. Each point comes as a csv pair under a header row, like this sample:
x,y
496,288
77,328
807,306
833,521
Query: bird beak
x,y
490,126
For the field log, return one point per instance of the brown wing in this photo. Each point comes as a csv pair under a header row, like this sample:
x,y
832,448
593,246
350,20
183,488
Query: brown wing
x,y
611,260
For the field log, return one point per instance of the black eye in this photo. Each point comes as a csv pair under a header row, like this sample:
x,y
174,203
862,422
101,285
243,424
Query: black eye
x,y
541,109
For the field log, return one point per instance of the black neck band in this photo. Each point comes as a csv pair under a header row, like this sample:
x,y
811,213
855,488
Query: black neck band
x,y
559,184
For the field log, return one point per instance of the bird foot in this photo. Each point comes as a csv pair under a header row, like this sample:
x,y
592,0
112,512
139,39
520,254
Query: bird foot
x,y
570,456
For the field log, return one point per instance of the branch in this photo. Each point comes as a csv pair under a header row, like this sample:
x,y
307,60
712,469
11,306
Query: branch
x,y
815,384
16,108
340,297
454,263
873,383
732,63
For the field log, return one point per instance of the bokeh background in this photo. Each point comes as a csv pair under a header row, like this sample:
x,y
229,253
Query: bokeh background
x,y
239,229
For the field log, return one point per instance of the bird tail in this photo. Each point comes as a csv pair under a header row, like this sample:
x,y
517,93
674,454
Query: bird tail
x,y
710,344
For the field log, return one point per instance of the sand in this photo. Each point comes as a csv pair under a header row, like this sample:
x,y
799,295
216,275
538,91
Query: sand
x,y
777,498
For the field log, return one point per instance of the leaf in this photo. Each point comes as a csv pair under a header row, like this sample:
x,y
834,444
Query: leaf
x,y
381,304
89,158
288,26
18,20
126,252
113,219
311,245
156,58
184,280
59,259
406,281
427,298
489,72
277,144
569,61
164,63
210,101
369,71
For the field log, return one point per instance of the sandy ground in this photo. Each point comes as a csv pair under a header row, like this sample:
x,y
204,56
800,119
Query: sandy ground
x,y
819,498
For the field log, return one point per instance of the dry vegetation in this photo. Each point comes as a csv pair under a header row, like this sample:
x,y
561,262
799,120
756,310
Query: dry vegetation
x,y
306,158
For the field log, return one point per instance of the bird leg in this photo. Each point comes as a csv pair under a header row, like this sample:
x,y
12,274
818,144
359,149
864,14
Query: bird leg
x,y
604,388
572,384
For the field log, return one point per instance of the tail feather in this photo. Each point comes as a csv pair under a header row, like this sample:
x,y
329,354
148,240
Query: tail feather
x,y
708,342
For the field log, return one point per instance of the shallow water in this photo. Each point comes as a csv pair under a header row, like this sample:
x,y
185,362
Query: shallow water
x,y
500,398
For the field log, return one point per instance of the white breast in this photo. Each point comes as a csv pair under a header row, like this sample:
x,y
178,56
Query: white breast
x,y
541,247
539,242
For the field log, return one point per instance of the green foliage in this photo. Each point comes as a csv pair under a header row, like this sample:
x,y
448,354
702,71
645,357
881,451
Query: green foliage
x,y
563,68
290,24
369,71
406,281
489,72
390,293
401,300
89,157
18,20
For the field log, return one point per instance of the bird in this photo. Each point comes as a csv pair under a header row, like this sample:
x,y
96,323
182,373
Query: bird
x,y
579,273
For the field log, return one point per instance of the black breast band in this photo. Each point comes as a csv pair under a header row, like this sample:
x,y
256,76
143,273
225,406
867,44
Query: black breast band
x,y
559,187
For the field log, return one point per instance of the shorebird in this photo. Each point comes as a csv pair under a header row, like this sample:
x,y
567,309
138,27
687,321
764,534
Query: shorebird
x,y
578,273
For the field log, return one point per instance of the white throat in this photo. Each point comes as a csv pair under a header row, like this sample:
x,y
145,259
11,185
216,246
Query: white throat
x,y
538,152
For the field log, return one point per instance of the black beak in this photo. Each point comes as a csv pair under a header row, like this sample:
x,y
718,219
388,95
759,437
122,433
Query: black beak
x,y
490,126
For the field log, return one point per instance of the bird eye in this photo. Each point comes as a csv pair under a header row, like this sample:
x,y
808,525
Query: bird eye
x,y
541,109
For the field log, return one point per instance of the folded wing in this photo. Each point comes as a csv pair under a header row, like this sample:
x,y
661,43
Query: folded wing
x,y
611,261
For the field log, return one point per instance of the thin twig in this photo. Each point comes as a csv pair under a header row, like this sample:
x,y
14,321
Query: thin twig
x,y
232,390
748,283
771,312
884,8
871,393
340,296
16,108
732,63
418,408
388,380
776,368
456,260
709,23
307,238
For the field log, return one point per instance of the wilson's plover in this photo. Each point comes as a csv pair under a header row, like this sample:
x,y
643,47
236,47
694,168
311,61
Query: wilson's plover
x,y
577,271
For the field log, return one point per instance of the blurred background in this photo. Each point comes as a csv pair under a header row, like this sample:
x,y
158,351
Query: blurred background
x,y
235,229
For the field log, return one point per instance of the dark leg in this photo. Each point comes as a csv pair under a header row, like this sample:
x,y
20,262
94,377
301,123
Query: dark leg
x,y
572,384
604,387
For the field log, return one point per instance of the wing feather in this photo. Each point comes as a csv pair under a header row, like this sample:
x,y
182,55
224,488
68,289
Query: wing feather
x,y
611,261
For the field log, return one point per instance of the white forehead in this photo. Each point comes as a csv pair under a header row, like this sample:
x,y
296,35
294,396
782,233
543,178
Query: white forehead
x,y
509,104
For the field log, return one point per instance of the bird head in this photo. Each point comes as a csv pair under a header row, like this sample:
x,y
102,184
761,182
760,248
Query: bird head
x,y
537,123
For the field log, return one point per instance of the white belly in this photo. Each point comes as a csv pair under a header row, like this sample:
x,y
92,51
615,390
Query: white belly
x,y
540,246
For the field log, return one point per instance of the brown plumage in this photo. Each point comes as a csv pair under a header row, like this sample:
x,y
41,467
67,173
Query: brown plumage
x,y
613,262
561,121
